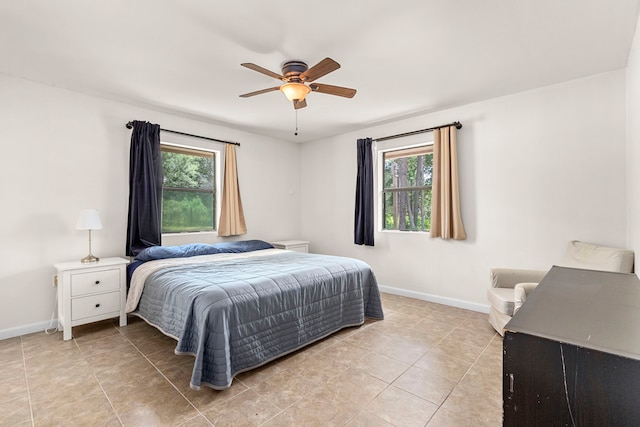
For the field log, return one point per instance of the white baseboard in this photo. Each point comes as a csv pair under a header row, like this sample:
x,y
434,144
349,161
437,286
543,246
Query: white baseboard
x,y
482,308
26,329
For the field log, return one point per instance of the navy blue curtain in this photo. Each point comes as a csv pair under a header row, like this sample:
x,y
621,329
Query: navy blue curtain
x,y
144,227
363,233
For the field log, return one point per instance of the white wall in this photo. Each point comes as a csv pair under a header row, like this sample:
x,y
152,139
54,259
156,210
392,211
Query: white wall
x,y
633,145
63,151
537,169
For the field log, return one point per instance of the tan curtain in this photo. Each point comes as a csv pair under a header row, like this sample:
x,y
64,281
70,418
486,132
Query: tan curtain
x,y
446,221
231,215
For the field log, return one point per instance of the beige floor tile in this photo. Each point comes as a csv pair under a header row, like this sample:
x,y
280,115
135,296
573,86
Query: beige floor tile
x,y
207,398
482,410
443,364
131,376
105,344
344,352
169,411
459,350
447,418
13,382
444,316
198,421
401,408
180,372
263,373
52,355
245,409
16,411
424,384
40,345
381,367
422,303
319,368
356,386
120,393
367,419
471,337
433,328
94,411
51,386
322,407
404,350
94,331
11,350
72,372
44,401
285,389
156,343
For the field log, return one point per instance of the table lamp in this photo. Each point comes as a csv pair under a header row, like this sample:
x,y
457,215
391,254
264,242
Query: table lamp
x,y
89,220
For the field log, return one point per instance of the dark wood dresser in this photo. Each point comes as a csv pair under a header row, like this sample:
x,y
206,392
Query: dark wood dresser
x,y
572,352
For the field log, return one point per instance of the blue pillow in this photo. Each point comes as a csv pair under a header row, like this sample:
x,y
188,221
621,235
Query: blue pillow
x,y
243,246
182,251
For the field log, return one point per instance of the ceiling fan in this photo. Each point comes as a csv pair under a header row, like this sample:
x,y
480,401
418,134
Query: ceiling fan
x,y
295,74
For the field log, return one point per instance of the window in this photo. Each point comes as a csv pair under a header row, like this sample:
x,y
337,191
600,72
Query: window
x,y
406,188
188,189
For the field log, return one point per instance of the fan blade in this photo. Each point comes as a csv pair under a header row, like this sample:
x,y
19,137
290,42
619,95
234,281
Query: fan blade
x,y
259,92
259,69
333,90
322,68
299,104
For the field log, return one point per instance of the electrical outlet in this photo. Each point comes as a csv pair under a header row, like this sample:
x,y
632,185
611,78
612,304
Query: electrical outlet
x,y
55,280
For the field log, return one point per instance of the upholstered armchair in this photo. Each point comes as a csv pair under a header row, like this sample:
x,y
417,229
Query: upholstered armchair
x,y
510,287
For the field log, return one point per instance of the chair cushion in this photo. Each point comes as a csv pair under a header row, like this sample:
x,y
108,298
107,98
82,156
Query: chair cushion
x,y
520,293
594,257
501,299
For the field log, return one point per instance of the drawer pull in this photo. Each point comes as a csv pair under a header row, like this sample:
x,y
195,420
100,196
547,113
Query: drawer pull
x,y
97,282
98,305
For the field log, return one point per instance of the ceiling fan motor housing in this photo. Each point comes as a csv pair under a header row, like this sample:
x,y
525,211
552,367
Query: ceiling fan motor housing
x,y
292,69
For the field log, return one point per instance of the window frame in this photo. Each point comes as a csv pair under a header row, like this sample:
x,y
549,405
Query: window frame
x,y
217,179
380,189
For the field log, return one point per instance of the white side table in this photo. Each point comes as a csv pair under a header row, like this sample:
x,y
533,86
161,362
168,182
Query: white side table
x,y
292,245
91,292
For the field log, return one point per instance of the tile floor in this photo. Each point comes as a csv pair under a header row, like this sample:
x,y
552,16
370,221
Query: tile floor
x,y
424,365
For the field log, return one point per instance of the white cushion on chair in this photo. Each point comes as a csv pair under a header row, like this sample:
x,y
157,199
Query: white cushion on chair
x,y
594,257
520,293
501,299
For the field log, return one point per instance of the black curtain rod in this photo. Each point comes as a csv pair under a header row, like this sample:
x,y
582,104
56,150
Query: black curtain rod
x,y
458,125
130,126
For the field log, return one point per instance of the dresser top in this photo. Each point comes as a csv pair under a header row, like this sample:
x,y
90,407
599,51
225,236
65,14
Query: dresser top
x,y
598,310
290,242
77,265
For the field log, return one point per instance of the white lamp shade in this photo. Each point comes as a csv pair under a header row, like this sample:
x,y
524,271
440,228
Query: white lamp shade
x,y
88,220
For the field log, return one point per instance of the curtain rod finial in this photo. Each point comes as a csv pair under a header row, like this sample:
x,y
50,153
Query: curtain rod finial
x,y
129,125
458,125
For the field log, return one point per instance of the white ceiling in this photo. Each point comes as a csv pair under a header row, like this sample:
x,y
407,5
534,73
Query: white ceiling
x,y
404,57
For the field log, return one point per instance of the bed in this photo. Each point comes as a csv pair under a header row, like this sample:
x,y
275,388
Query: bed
x,y
236,306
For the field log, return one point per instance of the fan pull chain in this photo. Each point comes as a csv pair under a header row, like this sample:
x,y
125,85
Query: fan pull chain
x,y
296,133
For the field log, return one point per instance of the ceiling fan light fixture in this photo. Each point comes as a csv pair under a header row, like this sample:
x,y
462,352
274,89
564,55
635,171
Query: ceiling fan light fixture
x,y
295,91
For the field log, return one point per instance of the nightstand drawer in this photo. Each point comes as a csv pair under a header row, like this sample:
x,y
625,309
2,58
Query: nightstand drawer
x,y
95,281
95,305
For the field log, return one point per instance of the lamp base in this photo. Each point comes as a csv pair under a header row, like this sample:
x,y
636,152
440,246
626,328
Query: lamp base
x,y
89,258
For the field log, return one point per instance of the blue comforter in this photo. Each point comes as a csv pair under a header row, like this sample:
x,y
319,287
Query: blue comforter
x,y
236,314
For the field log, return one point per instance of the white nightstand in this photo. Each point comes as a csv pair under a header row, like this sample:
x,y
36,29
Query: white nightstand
x,y
292,245
91,292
